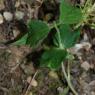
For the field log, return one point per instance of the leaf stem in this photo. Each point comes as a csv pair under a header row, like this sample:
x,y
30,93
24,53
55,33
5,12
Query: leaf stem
x,y
59,37
68,78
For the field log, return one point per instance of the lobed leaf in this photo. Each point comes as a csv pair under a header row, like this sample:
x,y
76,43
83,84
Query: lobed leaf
x,y
67,36
38,31
52,58
69,14
22,40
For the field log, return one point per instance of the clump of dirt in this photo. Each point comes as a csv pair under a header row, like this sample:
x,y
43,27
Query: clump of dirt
x,y
11,76
47,85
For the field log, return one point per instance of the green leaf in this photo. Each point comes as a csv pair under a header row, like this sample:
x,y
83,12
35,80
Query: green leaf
x,y
38,31
67,36
21,41
69,14
52,58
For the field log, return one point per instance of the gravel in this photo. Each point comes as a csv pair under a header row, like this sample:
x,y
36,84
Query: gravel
x,y
8,16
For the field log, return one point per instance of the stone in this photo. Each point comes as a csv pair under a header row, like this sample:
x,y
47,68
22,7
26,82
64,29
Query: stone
x,y
19,15
1,19
8,16
85,65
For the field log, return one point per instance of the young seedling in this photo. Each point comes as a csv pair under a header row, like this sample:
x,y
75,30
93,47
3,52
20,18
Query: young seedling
x,y
64,38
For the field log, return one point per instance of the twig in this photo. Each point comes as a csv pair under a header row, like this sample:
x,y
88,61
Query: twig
x,y
29,87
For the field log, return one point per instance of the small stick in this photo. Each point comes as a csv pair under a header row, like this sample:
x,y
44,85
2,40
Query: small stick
x,y
29,87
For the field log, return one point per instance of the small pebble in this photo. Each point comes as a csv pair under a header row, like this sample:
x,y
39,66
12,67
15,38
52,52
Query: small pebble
x,y
32,82
16,32
93,93
85,65
53,74
2,6
82,2
17,4
86,45
85,37
78,47
29,79
8,16
93,42
30,93
60,89
19,15
1,19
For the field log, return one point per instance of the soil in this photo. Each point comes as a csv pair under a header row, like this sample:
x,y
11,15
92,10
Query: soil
x,y
16,72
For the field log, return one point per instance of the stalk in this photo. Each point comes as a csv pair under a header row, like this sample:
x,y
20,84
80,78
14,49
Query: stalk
x,y
67,77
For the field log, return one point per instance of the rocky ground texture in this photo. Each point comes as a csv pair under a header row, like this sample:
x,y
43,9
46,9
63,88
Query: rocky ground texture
x,y
19,76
